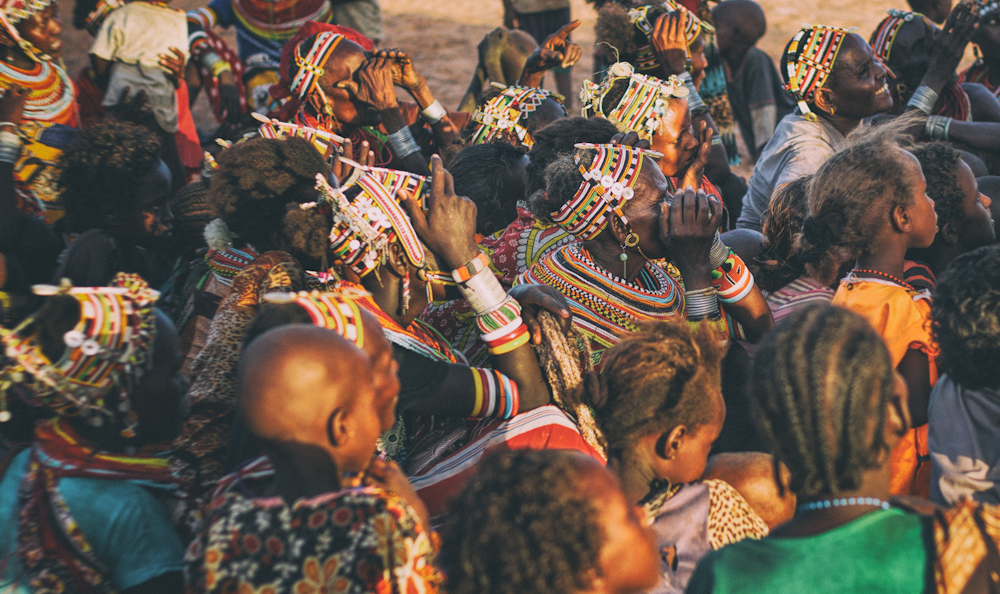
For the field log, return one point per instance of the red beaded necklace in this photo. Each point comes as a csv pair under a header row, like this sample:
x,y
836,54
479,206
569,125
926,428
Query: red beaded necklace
x,y
885,275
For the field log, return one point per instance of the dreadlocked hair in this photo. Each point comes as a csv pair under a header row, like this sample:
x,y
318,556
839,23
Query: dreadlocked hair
x,y
823,415
257,191
940,165
778,265
852,196
492,176
522,525
100,172
656,379
965,318
559,138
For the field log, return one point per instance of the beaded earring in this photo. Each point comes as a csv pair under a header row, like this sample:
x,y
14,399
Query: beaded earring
x,y
624,259
405,305
631,240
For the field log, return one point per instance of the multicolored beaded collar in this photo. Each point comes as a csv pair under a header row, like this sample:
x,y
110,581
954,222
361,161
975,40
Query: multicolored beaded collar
x,y
645,55
810,57
607,185
311,65
109,346
640,108
503,116
335,311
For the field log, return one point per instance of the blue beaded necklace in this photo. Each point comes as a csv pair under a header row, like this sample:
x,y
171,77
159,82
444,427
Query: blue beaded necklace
x,y
842,502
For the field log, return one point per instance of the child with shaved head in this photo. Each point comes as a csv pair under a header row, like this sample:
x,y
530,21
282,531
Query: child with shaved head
x,y
300,517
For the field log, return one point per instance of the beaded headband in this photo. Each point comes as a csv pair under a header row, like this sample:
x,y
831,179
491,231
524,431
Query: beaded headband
x,y
96,17
645,55
810,57
607,185
885,34
311,66
110,345
334,311
366,225
13,12
642,105
320,139
502,116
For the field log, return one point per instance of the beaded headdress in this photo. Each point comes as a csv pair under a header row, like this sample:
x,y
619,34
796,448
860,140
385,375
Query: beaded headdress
x,y
335,311
608,181
320,139
311,65
110,346
503,116
885,34
645,55
642,105
810,57
13,12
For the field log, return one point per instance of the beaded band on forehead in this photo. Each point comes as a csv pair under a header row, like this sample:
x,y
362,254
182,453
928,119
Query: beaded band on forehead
x,y
810,57
645,55
365,226
502,115
334,311
311,65
109,345
608,181
885,34
640,108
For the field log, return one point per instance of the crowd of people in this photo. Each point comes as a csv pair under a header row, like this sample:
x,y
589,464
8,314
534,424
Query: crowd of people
x,y
349,343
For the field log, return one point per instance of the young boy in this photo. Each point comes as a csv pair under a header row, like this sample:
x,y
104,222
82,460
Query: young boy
x,y
964,431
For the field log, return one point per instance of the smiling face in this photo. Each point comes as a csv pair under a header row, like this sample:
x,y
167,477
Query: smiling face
x,y
44,31
857,84
675,139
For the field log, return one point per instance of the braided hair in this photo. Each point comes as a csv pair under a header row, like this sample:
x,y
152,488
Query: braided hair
x,y
852,196
658,378
257,190
522,525
778,265
823,415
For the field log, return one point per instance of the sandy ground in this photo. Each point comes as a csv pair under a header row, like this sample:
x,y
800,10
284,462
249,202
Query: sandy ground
x,y
442,36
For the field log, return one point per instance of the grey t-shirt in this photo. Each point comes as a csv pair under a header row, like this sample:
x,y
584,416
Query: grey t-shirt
x,y
797,149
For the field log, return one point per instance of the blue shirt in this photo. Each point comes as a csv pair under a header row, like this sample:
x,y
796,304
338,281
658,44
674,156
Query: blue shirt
x,y
129,530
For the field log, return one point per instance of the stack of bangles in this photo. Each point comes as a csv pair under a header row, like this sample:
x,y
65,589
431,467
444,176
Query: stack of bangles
x,y
695,103
10,143
701,304
402,143
937,127
498,316
924,98
215,64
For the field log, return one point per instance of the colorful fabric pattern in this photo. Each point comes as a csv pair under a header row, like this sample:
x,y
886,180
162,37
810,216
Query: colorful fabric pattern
x,y
357,540
333,311
799,293
503,116
50,546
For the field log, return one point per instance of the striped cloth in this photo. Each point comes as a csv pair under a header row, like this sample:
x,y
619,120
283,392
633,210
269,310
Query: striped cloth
x,y
797,294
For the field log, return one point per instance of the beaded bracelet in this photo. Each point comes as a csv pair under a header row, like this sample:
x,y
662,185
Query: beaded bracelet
x,y
402,143
499,318
471,268
733,280
505,334
520,340
10,147
924,99
701,303
937,127
483,292
695,104
434,112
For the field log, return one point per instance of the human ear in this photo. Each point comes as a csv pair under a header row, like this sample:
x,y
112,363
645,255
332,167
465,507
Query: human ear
x,y
397,260
669,444
949,233
900,219
619,229
338,432
824,100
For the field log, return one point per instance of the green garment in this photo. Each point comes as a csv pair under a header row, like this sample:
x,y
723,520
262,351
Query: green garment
x,y
881,552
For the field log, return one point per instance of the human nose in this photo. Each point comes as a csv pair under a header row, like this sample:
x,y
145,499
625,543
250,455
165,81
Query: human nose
x,y
985,200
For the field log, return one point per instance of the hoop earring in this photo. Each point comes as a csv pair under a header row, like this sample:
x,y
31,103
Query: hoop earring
x,y
631,240
833,111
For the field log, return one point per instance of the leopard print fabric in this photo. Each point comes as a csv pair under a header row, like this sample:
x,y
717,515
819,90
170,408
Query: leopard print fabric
x,y
730,517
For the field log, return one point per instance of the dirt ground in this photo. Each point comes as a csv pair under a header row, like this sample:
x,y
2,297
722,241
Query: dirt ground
x,y
442,36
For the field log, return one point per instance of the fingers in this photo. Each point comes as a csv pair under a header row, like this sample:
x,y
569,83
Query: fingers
x,y
417,217
437,180
349,85
534,328
717,211
573,55
567,29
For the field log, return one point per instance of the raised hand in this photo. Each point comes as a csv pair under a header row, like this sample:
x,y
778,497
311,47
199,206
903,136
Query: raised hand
x,y
449,227
403,73
692,177
687,226
669,42
949,45
556,51
361,155
375,84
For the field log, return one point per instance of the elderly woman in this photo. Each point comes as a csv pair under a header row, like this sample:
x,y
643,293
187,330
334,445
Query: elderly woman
x,y
837,81
614,198
85,512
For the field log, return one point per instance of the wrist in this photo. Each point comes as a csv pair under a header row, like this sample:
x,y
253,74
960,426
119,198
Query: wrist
x,y
421,93
924,99
462,257
695,276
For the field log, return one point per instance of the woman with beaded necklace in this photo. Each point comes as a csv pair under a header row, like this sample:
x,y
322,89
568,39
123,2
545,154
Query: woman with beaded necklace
x,y
29,57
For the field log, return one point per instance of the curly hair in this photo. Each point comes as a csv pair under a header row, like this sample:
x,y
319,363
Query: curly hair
x,y
852,196
965,318
100,172
562,180
559,138
778,265
257,190
616,32
823,415
492,176
654,380
940,164
522,525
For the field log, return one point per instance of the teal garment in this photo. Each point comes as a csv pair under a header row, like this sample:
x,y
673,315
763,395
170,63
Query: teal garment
x,y
130,530
881,552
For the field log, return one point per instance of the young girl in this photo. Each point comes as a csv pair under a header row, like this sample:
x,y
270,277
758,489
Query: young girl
x,y
869,203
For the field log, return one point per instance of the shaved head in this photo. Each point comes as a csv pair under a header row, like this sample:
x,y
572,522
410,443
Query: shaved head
x,y
739,25
308,385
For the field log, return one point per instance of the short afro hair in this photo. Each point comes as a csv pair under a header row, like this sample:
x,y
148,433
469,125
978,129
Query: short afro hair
x,y
940,164
259,182
492,176
559,138
100,172
965,318
522,525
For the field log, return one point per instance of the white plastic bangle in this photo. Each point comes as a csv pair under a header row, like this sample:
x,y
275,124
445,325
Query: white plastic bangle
x,y
483,291
434,112
491,336
10,147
